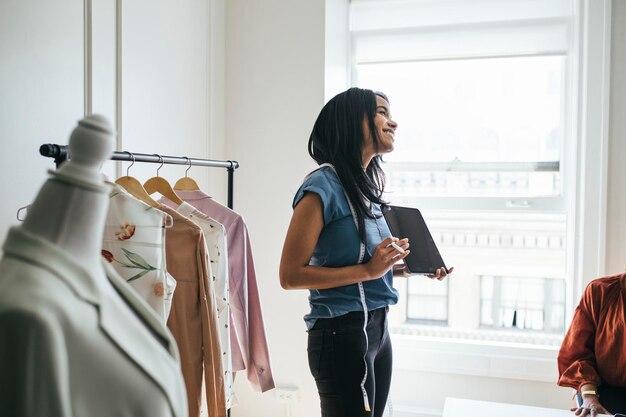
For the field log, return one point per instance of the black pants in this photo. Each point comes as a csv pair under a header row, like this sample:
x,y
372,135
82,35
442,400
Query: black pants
x,y
613,398
336,347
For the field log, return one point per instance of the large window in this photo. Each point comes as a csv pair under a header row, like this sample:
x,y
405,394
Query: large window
x,y
482,98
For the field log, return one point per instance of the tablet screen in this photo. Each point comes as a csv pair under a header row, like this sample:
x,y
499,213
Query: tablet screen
x,y
408,222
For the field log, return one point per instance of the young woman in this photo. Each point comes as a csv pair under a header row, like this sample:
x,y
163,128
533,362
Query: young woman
x,y
338,246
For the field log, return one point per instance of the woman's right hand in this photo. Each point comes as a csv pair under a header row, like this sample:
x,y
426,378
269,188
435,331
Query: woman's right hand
x,y
590,407
386,256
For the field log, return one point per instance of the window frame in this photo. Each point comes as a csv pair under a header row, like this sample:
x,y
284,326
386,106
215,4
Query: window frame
x,y
586,194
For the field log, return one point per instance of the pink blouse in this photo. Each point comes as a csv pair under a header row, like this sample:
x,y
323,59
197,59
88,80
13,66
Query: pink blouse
x,y
248,342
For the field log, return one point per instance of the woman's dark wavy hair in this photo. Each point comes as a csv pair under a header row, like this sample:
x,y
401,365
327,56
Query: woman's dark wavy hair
x,y
337,138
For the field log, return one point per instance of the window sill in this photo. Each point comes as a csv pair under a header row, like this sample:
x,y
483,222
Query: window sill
x,y
472,357
498,337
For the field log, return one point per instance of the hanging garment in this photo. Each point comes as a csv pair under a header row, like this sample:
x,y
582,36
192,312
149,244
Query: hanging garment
x,y
193,319
215,237
69,349
134,244
248,342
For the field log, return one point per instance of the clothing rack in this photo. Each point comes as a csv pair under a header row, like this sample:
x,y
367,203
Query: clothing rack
x,y
60,154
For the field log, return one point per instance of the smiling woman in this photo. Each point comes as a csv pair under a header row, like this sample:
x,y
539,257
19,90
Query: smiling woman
x,y
339,247
382,142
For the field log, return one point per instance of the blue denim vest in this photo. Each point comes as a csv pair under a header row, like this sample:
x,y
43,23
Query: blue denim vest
x,y
338,245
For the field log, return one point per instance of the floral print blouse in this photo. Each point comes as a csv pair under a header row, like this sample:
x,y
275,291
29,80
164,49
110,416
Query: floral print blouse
x,y
134,245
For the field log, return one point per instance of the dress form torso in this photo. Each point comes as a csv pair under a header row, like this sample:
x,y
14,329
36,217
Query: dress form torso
x,y
72,218
74,340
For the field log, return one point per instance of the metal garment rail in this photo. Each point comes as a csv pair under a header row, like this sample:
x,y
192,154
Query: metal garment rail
x,y
60,155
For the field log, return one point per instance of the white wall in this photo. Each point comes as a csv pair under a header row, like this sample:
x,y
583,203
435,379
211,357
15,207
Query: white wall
x,y
41,92
274,90
165,83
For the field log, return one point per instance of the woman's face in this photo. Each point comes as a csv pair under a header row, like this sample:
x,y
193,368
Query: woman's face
x,y
385,130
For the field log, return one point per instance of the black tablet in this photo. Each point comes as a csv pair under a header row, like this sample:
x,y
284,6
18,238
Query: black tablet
x,y
408,222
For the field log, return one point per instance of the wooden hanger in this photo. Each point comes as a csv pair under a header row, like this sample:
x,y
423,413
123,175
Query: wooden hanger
x,y
134,187
186,183
160,185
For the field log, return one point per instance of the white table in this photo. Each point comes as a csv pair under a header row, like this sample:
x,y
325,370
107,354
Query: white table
x,y
457,407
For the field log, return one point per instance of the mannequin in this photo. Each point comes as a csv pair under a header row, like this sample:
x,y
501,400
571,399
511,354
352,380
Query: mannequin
x,y
71,207
75,340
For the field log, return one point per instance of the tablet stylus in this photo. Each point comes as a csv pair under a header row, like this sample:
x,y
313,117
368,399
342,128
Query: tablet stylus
x,y
396,247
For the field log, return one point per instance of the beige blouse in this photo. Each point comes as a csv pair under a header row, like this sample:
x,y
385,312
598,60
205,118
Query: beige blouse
x,y
193,319
215,236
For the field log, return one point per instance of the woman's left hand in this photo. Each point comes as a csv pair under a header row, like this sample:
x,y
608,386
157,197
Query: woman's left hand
x,y
440,273
590,407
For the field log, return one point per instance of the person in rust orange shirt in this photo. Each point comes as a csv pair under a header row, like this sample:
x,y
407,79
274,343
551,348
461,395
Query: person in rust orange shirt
x,y
592,358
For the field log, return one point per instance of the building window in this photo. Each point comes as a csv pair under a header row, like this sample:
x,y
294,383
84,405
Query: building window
x,y
522,303
429,302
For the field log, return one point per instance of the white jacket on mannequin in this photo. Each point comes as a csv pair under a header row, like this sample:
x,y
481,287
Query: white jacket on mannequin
x,y
75,340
